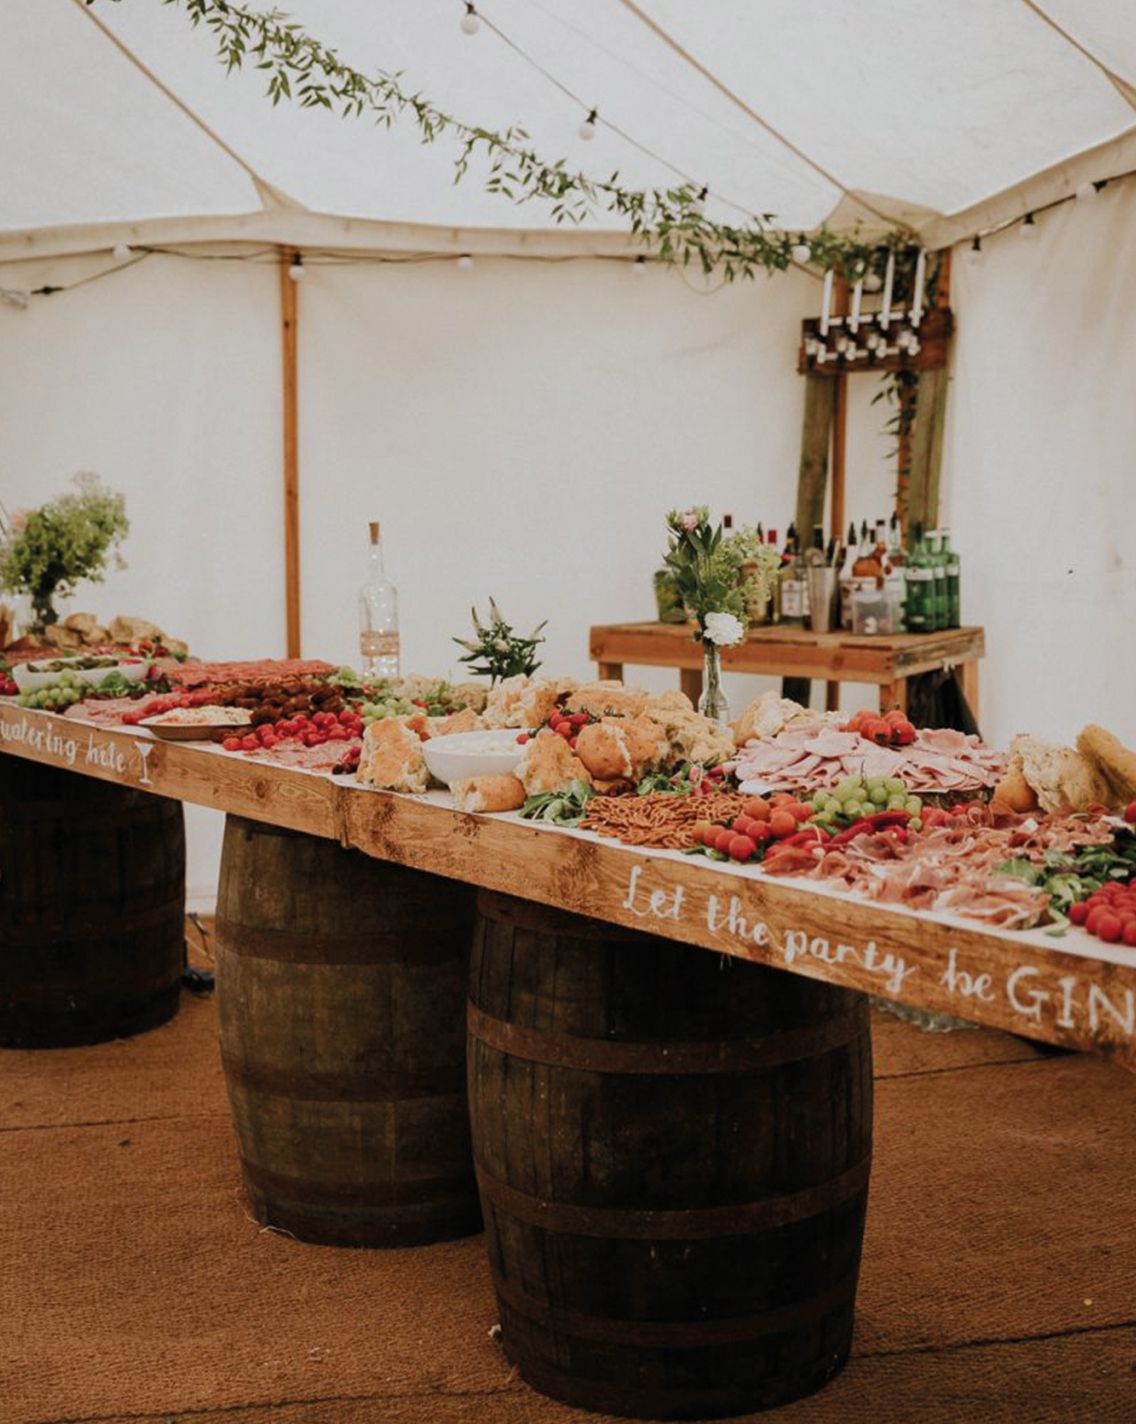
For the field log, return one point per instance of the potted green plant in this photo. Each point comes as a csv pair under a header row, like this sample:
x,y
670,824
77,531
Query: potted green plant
x,y
46,552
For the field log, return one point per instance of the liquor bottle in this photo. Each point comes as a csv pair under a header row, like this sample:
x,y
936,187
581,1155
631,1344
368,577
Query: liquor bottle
x,y
775,582
848,578
881,544
920,586
813,557
760,534
894,564
790,580
938,619
378,615
953,565
728,523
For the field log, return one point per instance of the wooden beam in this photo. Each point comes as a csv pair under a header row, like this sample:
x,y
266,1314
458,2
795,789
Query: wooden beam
x,y
926,451
290,389
816,431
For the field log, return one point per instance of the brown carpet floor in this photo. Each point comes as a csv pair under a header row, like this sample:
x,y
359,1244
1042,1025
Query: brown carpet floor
x,y
999,1279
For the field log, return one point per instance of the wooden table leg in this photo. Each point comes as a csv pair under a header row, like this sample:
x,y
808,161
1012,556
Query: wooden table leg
x,y
832,697
968,677
893,694
690,680
609,672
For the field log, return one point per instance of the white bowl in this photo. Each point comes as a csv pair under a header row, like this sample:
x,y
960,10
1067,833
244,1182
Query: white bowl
x,y
464,754
133,670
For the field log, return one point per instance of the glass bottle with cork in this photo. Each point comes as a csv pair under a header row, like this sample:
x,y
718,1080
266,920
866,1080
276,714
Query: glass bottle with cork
x,y
378,615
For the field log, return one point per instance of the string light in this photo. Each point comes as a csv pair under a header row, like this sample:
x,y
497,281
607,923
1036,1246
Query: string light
x,y
639,266
873,282
464,263
296,268
471,20
800,251
974,251
121,252
699,204
19,300
1085,190
588,127
1029,227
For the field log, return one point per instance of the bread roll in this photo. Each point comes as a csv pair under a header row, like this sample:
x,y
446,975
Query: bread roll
x,y
604,749
392,757
1013,792
1112,759
466,720
549,764
488,793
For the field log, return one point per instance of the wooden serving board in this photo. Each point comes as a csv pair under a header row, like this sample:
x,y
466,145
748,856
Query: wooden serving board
x,y
1075,992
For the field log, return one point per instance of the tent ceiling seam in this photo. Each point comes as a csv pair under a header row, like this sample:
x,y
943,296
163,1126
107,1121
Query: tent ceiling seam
x,y
1126,91
750,113
269,194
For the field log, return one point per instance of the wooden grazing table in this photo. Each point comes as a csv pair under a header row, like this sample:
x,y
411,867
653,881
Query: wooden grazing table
x,y
1075,992
796,652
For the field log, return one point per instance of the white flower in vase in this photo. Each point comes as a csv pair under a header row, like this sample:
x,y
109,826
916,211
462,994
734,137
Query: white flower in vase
x,y
723,629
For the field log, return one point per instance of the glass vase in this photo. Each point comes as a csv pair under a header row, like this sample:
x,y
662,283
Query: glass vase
x,y
713,702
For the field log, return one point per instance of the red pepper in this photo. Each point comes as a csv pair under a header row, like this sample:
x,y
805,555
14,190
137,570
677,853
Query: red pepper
x,y
857,828
888,818
810,836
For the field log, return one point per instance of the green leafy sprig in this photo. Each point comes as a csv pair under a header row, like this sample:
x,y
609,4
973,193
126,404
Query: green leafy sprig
x,y
498,652
716,572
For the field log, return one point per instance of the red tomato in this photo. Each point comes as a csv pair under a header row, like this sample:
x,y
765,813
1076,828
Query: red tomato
x,y
1129,935
250,743
722,838
1130,813
1078,913
522,739
741,847
232,744
757,809
799,811
1109,928
782,822
579,719
565,730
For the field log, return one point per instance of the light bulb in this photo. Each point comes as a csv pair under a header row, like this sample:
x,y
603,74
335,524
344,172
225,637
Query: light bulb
x,y
872,340
1085,190
464,263
120,252
914,346
698,206
872,281
296,269
471,20
800,250
1028,227
639,266
974,251
19,300
588,127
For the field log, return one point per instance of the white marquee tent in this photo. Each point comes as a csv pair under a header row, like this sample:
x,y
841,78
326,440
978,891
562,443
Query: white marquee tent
x,y
521,426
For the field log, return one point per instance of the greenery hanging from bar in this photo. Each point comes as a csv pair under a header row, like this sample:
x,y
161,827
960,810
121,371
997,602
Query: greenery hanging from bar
x,y
301,69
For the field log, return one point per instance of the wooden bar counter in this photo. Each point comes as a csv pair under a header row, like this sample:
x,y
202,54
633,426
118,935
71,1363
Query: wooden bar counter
x,y
1076,991
784,651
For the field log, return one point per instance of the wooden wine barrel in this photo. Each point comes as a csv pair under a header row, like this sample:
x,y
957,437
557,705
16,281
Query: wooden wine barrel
x,y
341,998
673,1150
92,908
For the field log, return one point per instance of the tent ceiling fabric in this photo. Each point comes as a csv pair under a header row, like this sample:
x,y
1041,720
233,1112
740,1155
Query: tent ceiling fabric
x,y
948,114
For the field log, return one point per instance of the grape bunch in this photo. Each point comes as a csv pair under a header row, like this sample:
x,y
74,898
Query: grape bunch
x,y
858,796
55,696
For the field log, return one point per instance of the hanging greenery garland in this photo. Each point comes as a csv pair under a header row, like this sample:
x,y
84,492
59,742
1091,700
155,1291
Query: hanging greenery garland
x,y
669,221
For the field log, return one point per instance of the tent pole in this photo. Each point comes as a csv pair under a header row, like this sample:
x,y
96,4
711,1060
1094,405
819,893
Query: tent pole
x,y
291,453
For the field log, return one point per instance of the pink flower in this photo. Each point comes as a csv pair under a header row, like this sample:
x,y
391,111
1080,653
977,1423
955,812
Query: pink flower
x,y
19,519
690,521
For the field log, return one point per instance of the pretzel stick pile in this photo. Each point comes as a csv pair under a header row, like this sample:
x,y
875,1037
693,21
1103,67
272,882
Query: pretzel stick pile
x,y
665,822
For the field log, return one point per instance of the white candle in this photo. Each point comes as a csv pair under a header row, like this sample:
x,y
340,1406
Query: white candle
x,y
917,295
889,280
826,303
854,314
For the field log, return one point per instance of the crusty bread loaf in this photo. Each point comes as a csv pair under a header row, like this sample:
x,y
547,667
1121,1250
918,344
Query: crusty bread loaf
x,y
1115,762
392,757
549,764
608,699
488,793
1061,778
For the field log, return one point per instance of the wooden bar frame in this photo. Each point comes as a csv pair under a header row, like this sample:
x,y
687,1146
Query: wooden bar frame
x,y
289,336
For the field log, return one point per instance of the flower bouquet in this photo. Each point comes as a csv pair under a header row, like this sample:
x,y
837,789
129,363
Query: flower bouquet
x,y
720,577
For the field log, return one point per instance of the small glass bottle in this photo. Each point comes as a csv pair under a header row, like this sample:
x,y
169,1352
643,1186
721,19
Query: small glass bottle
x,y
920,586
378,616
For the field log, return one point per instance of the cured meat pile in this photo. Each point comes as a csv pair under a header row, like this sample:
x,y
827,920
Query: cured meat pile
x,y
194,674
810,759
953,868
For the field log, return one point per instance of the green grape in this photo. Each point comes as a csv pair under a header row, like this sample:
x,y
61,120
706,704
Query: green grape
x,y
914,805
915,824
848,788
879,796
895,785
853,809
833,806
897,803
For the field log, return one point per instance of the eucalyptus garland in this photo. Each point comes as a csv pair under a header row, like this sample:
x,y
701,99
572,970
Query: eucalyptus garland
x,y
669,221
